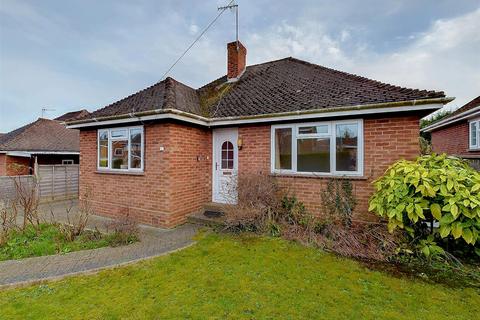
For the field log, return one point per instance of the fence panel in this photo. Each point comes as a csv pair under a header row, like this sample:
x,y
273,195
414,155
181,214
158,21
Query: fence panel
x,y
58,181
8,185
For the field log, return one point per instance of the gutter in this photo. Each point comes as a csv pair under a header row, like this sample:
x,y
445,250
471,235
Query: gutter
x,y
444,122
28,153
210,122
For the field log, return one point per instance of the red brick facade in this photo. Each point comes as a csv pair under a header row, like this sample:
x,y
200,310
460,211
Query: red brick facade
x,y
175,181
178,180
385,141
14,166
453,139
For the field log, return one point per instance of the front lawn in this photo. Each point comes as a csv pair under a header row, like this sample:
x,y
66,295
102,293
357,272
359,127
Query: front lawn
x,y
241,277
49,240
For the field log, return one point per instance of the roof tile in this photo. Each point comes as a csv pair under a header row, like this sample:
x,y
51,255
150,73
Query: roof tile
x,y
278,86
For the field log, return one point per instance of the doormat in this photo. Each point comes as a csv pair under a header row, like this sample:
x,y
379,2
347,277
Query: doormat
x,y
213,214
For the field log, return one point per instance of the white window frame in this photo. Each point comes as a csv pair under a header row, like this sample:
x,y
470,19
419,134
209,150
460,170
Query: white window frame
x,y
110,140
67,161
476,146
331,135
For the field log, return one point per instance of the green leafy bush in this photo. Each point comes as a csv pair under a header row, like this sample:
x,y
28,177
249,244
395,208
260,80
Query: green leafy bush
x,y
432,188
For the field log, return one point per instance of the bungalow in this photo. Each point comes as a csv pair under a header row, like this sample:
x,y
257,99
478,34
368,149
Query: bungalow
x,y
459,133
42,142
168,150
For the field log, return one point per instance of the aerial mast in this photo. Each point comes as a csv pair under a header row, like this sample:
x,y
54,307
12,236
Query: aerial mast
x,y
233,6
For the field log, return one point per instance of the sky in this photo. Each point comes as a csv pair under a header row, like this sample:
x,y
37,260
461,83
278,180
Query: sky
x,y
75,54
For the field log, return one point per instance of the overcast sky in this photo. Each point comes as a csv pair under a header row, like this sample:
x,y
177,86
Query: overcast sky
x,y
68,55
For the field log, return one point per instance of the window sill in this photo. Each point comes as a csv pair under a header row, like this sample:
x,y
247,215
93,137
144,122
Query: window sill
x,y
317,176
127,173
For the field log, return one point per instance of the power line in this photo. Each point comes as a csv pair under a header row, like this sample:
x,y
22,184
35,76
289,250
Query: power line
x,y
195,41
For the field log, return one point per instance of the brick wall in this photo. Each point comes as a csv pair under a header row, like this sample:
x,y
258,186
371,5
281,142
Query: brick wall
x,y
386,140
3,164
13,166
175,182
453,140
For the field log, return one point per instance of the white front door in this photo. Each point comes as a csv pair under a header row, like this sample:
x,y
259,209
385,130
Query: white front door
x,y
225,165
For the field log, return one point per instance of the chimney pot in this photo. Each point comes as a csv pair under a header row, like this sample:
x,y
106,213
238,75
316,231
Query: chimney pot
x,y
236,60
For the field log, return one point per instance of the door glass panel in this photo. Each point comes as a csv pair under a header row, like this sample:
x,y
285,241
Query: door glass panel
x,y
313,155
227,155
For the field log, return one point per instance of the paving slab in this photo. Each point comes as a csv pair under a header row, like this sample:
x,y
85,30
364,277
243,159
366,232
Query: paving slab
x,y
153,242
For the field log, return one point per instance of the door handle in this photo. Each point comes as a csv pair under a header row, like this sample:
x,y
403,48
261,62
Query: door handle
x,y
216,166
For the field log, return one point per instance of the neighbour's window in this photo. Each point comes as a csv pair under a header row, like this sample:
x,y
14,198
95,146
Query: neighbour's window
x,y
227,155
120,148
69,161
474,136
331,148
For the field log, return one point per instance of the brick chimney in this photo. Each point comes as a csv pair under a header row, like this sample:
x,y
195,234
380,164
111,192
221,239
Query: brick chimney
x,y
236,60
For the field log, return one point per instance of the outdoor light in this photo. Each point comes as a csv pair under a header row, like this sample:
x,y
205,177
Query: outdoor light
x,y
240,143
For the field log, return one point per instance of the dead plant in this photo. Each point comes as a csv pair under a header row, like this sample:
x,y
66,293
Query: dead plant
x,y
258,203
123,230
76,223
26,200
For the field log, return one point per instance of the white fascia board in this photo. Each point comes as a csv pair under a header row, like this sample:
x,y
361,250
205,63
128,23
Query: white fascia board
x,y
29,153
139,119
319,115
287,116
445,122
24,154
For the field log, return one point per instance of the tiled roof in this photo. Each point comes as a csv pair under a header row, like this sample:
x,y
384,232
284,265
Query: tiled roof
x,y
168,94
470,105
73,115
41,135
278,86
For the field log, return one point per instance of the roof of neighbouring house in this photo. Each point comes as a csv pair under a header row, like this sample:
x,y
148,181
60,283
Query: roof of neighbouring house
x,y
273,87
73,115
471,109
41,135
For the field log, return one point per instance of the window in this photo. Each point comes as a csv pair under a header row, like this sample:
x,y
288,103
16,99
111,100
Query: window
x,y
326,148
120,149
69,161
474,136
227,155
283,148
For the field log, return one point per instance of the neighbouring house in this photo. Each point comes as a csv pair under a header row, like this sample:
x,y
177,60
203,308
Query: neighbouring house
x,y
459,133
164,152
73,115
41,142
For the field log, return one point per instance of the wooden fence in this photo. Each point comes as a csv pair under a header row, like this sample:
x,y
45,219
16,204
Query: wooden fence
x,y
8,188
54,182
58,181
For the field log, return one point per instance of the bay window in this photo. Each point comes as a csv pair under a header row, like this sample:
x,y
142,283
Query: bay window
x,y
474,136
325,148
120,149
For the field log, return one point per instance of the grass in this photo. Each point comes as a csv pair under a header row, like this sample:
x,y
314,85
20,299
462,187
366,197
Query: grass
x,y
29,243
245,277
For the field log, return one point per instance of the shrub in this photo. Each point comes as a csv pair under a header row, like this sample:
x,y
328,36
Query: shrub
x,y
338,201
258,203
122,231
413,195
